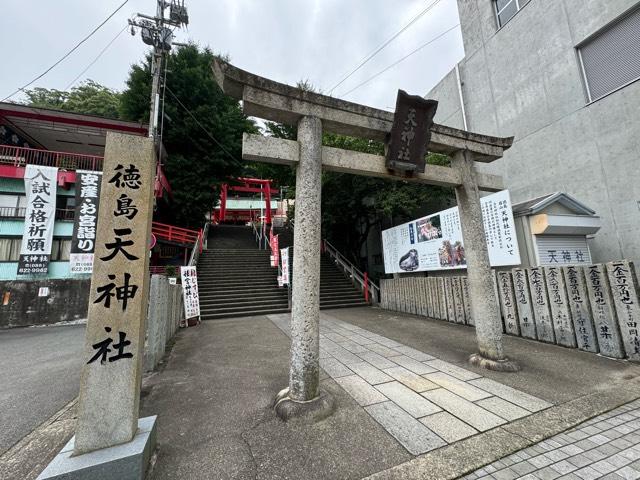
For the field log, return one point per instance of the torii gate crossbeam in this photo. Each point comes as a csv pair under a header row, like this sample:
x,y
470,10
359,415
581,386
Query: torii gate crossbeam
x,y
314,113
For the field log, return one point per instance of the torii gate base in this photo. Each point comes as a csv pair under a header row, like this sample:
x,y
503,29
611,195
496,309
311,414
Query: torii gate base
x,y
312,113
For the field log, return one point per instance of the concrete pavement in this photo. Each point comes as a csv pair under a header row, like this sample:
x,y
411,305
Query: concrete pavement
x,y
40,374
215,389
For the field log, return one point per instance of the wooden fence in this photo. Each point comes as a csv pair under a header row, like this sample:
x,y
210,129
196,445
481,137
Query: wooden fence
x,y
593,308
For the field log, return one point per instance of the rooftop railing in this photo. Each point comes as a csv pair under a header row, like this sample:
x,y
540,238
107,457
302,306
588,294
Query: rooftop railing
x,y
21,157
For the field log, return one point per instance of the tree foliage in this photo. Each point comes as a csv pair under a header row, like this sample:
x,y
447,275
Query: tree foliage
x,y
353,204
204,146
89,98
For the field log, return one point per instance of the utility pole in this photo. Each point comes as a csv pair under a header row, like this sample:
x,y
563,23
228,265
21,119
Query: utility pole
x,y
156,31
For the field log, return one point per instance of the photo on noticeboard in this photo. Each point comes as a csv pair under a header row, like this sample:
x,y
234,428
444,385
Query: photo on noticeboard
x,y
409,261
451,254
429,228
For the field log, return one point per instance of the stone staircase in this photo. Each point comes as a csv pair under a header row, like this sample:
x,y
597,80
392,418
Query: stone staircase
x,y
235,279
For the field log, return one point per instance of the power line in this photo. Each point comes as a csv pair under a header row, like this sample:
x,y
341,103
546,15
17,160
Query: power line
x,y
200,124
401,60
381,47
97,58
68,53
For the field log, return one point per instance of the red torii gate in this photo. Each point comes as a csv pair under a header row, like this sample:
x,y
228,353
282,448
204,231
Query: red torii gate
x,y
247,185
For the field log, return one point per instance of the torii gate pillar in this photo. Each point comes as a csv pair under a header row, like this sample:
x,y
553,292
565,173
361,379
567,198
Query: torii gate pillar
x,y
313,113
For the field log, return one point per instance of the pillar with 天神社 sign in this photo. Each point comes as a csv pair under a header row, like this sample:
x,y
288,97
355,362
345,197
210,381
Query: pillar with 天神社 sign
x,y
113,353
109,436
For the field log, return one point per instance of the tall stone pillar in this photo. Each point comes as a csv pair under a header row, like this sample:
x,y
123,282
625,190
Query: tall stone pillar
x,y
303,395
484,303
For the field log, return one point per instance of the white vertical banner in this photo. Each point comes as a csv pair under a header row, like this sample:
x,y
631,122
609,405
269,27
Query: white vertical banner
x,y
190,292
40,186
284,262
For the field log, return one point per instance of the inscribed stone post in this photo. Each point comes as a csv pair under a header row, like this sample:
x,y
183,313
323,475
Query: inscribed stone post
x,y
494,279
508,304
451,310
156,321
435,306
395,291
523,304
558,302
467,301
624,289
604,315
580,309
430,305
413,304
442,293
424,294
383,294
540,304
457,300
393,302
114,338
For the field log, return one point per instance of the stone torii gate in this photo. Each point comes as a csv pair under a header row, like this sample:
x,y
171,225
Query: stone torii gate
x,y
314,113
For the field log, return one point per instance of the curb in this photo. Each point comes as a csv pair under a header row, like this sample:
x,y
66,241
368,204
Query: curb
x,y
27,458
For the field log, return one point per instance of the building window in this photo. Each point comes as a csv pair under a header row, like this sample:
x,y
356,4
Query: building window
x,y
10,249
506,9
611,59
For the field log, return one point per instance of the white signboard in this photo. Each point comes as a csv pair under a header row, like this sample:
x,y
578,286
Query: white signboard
x,y
284,262
190,292
40,186
435,242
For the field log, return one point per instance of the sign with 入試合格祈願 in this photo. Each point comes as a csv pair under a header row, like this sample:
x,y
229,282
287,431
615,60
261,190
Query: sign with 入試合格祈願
x,y
85,222
435,242
35,252
410,134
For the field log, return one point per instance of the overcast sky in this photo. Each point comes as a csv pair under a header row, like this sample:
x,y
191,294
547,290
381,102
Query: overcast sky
x,y
285,40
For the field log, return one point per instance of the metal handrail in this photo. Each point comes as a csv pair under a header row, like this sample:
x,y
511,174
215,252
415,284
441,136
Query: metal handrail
x,y
199,245
362,279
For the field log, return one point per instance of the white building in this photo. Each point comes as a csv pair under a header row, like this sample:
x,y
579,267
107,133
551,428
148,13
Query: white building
x,y
561,77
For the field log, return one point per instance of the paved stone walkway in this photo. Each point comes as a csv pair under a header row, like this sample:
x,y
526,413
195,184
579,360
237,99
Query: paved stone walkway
x,y
607,447
423,402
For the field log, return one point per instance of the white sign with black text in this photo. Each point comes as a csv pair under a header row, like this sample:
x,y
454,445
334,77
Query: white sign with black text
x,y
284,262
190,292
435,242
40,185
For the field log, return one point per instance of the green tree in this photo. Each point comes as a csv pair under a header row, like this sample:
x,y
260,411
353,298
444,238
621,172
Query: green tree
x,y
202,129
89,98
353,204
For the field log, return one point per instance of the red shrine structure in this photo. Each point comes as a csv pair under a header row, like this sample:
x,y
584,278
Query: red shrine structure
x,y
237,208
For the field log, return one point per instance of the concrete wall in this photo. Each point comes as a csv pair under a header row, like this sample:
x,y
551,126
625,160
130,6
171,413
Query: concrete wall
x,y
525,80
66,301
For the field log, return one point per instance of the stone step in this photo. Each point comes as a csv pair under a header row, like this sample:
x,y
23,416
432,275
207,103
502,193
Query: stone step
x,y
222,284
272,292
246,313
234,305
241,308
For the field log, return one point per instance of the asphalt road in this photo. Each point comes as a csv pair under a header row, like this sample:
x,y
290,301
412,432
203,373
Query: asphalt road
x,y
39,374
